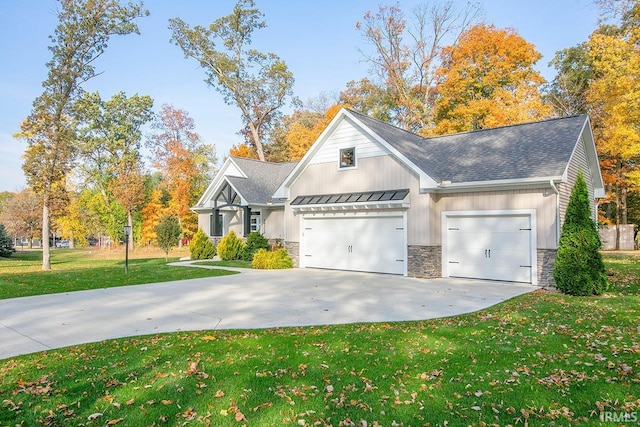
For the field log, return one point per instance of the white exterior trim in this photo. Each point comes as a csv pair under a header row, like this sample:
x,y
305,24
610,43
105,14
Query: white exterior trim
x,y
499,184
507,212
229,168
283,191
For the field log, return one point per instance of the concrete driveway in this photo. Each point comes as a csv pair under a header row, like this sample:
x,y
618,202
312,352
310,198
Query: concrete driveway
x,y
251,299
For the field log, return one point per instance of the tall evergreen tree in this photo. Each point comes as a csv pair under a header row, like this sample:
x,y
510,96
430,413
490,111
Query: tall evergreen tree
x,y
6,245
579,268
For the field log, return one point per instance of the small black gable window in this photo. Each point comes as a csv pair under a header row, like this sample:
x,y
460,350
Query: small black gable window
x,y
347,157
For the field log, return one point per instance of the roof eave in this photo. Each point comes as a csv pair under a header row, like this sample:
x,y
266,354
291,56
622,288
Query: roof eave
x,y
501,184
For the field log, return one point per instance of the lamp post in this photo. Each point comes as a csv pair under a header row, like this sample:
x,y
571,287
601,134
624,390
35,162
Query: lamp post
x,y
127,233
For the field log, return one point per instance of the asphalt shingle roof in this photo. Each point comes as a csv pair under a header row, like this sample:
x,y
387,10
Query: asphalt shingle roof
x,y
529,150
263,178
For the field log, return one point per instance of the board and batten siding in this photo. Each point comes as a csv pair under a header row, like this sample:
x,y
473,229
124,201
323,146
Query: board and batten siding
x,y
272,223
542,200
371,174
348,135
579,162
204,222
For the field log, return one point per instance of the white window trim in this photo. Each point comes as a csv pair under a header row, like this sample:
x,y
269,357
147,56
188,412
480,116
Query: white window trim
x,y
355,159
259,223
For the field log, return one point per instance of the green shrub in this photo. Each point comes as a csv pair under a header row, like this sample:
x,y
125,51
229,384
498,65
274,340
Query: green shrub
x,y
201,247
579,269
255,241
265,260
6,244
230,247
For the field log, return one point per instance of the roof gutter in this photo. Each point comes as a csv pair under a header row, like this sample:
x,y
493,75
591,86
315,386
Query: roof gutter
x,y
448,186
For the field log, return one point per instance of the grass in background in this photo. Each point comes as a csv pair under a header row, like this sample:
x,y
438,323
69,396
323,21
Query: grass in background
x,y
81,269
237,263
539,359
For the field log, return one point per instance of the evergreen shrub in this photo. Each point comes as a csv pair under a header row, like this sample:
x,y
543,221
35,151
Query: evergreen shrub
x,y
579,269
275,260
230,247
6,244
201,247
255,242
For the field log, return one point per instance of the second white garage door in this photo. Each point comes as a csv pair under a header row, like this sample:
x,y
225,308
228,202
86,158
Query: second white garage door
x,y
496,247
369,243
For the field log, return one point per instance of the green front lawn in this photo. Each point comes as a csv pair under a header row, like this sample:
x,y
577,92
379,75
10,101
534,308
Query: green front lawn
x,y
540,359
237,263
74,270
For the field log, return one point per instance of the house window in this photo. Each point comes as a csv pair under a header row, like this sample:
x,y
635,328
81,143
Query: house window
x,y
256,221
220,226
347,157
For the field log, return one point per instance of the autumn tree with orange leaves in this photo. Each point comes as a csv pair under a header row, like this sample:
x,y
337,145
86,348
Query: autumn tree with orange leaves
x,y
185,162
488,80
402,52
614,98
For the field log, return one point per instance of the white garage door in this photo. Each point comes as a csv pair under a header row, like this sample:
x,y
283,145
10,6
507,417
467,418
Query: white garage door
x,y
496,247
374,244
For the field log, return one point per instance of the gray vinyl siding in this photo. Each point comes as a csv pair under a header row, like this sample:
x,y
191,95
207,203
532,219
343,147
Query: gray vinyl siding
x,y
578,162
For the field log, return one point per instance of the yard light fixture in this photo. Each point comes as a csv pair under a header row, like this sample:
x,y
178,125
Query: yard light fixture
x,y
127,233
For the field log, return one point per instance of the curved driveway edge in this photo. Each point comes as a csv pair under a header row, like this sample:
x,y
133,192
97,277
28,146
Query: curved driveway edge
x,y
251,299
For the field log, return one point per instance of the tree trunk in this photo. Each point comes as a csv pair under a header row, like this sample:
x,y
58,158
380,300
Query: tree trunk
x,y
623,204
180,224
46,252
256,140
618,205
130,224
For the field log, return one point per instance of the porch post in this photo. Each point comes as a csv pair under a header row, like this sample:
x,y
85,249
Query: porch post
x,y
247,220
215,225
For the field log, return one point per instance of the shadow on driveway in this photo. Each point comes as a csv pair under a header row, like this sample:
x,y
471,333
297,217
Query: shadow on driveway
x,y
252,299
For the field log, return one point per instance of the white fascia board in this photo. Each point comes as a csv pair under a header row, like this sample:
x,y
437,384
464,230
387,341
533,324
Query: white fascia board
x,y
594,163
497,184
215,183
426,182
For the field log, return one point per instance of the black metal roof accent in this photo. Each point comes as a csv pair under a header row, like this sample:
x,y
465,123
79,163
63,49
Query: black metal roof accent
x,y
357,197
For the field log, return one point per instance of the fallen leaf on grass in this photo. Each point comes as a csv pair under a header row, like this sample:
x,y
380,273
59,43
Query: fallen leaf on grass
x,y
94,416
240,416
262,406
219,394
114,422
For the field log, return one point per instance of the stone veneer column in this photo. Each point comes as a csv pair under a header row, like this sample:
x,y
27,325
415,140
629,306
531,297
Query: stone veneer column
x,y
546,262
293,249
424,261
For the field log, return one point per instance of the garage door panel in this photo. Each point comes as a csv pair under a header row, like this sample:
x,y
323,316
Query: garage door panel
x,y
375,244
496,247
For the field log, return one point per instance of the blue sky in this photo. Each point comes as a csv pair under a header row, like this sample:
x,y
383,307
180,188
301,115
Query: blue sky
x,y
317,39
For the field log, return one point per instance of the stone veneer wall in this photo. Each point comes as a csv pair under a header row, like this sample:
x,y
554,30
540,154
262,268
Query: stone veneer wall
x,y
546,262
424,261
293,249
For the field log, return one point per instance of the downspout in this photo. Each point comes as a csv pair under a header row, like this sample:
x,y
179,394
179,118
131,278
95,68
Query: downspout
x,y
555,189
